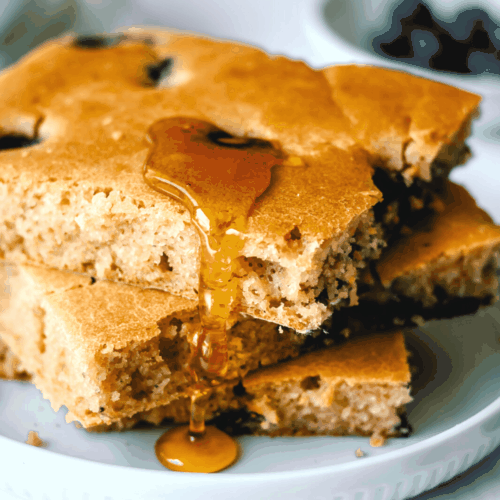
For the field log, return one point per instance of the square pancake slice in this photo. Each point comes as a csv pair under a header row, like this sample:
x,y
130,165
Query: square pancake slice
x,y
74,197
410,125
414,130
71,179
115,355
359,387
455,253
445,266
107,351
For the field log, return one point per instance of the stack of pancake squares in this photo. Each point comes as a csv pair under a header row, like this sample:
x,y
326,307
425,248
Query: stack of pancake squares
x,y
363,234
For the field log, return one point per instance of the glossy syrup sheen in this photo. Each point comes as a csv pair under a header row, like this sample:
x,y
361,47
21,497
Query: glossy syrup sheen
x,y
217,177
180,450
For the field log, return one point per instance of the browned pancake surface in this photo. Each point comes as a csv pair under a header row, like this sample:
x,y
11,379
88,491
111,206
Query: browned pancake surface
x,y
459,229
404,121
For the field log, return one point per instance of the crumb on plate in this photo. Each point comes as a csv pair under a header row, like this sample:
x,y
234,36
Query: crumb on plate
x,y
34,439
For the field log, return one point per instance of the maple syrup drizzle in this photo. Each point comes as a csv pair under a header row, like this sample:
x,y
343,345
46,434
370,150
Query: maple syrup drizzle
x,y
217,177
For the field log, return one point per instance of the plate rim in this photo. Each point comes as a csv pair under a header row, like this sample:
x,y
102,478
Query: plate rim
x,y
479,418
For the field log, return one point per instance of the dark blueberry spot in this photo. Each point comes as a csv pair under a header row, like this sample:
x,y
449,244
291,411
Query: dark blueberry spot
x,y
322,298
92,280
238,422
98,41
239,390
160,71
341,284
101,409
294,234
404,428
15,141
310,383
441,294
396,210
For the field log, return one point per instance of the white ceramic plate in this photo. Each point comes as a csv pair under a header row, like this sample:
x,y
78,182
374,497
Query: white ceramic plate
x,y
456,412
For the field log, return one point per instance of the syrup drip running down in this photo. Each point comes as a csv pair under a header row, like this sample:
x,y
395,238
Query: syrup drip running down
x,y
217,177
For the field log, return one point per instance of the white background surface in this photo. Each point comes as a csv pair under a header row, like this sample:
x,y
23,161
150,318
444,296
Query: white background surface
x,y
279,26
